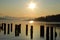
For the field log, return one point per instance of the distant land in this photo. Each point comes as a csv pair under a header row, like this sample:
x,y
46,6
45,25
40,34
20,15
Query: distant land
x,y
15,18
51,18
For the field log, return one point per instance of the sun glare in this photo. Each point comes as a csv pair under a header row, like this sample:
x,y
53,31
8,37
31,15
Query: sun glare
x,y
31,21
32,5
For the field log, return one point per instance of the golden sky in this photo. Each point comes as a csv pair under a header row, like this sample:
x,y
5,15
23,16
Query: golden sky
x,y
19,8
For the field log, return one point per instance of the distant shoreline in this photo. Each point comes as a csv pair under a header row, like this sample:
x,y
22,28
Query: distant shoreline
x,y
52,18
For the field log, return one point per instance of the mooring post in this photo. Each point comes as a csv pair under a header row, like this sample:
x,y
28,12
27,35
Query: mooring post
x,y
47,33
31,32
4,28
17,30
42,31
11,27
8,29
51,33
26,30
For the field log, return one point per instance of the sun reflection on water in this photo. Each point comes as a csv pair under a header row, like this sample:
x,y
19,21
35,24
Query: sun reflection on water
x,y
31,21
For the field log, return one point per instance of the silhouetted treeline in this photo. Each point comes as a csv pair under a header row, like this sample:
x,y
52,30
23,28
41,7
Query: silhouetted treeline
x,y
52,18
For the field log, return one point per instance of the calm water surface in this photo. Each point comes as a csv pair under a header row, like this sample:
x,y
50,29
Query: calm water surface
x,y
36,30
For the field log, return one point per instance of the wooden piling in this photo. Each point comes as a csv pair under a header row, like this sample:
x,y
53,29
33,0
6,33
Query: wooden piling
x,y
8,31
26,30
31,32
4,28
42,31
47,33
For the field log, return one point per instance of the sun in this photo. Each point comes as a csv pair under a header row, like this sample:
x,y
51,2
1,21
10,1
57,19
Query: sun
x,y
32,5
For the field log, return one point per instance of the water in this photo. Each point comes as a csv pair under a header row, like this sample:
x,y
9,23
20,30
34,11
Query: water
x,y
11,35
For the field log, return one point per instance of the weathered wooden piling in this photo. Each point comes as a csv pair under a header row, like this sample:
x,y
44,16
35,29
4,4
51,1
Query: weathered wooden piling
x,y
31,32
4,28
47,33
26,30
51,33
42,31
1,27
11,27
8,31
55,33
17,30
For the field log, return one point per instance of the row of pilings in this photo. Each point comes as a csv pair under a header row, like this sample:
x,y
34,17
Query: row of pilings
x,y
18,30
9,28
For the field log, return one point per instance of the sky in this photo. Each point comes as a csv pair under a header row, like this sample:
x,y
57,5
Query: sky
x,y
19,8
